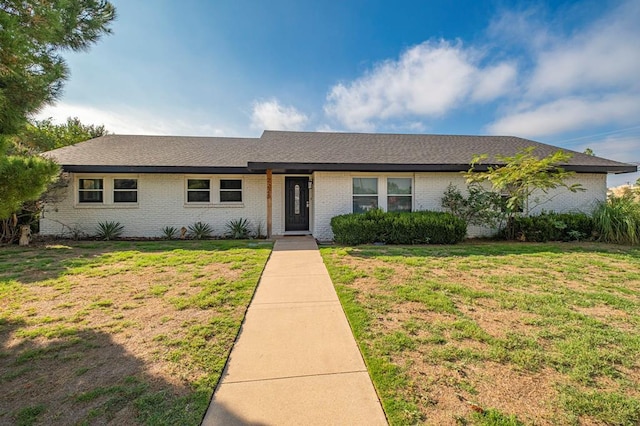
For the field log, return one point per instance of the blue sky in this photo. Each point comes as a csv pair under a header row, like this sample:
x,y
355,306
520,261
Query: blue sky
x,y
560,72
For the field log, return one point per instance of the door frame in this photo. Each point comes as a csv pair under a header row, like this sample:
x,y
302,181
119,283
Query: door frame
x,y
284,203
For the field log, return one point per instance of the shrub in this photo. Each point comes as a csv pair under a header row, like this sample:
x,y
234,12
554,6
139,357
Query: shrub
x,y
398,228
170,232
200,230
617,220
238,229
550,226
109,230
479,207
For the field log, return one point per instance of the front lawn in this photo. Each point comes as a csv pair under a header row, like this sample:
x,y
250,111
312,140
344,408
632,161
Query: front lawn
x,y
123,332
497,333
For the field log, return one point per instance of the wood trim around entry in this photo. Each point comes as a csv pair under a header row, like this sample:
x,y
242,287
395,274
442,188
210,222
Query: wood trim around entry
x,y
269,203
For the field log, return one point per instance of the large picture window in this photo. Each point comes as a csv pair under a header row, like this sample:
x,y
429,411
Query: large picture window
x,y
365,194
125,190
399,194
198,190
90,190
230,190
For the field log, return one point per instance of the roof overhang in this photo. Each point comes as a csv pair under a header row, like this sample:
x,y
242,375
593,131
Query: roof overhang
x,y
304,168
156,169
627,168
579,168
353,167
281,167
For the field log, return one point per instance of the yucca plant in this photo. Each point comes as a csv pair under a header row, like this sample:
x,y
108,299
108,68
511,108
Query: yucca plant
x,y
259,231
170,232
238,229
200,230
617,220
109,230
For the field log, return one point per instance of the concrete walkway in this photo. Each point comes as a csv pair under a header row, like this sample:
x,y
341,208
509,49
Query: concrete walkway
x,y
295,361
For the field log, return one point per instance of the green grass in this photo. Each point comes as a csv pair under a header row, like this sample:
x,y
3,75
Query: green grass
x,y
111,399
493,417
82,319
29,415
565,315
612,408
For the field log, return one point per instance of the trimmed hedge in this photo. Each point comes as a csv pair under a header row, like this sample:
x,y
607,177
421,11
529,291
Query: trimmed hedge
x,y
377,226
552,226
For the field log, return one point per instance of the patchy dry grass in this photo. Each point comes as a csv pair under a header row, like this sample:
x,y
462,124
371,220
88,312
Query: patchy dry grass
x,y
497,334
123,332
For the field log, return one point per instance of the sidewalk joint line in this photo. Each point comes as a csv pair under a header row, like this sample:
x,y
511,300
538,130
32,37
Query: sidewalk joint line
x,y
296,303
267,275
302,376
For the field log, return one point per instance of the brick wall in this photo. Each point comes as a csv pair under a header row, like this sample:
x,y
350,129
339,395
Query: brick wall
x,y
161,202
562,200
333,196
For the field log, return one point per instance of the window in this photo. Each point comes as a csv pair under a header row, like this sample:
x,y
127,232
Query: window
x,y
90,190
125,190
296,199
365,194
230,190
198,190
107,191
399,194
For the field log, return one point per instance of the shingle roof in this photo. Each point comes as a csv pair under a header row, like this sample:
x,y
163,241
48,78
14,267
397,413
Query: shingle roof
x,y
136,150
304,151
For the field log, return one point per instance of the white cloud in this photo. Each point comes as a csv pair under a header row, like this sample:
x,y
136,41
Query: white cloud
x,y
569,113
127,120
618,148
270,115
494,82
603,55
586,79
325,128
521,28
429,79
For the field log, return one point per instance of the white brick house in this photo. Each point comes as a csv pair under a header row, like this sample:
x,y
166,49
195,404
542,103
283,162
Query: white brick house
x,y
285,182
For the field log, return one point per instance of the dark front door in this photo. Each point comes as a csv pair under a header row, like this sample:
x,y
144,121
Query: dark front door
x,y
296,204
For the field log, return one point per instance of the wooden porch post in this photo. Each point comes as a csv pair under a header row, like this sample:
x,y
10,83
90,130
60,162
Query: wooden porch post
x,y
269,203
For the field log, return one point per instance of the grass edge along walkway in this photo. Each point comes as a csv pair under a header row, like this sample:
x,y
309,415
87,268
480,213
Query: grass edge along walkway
x,y
97,317
566,299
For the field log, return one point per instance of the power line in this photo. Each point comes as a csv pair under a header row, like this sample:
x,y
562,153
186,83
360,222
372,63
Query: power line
x,y
598,134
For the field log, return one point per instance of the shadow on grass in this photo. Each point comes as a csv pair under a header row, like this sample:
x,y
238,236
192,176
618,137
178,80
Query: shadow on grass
x,y
52,259
85,377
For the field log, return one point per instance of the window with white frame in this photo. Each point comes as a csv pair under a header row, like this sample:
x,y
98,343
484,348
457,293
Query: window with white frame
x,y
399,194
198,190
91,190
125,190
230,190
365,194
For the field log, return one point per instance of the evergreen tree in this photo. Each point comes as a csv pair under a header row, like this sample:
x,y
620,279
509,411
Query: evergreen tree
x,y
33,33
44,135
30,188
27,178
